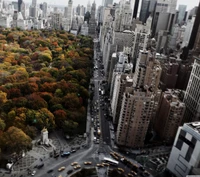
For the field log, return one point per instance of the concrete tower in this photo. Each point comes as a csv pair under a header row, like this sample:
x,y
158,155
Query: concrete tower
x,y
69,15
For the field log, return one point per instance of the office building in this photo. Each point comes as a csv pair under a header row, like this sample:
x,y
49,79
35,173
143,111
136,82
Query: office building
x,y
89,7
44,9
69,16
195,30
188,32
192,94
107,3
181,14
164,16
92,21
19,5
144,12
169,116
185,155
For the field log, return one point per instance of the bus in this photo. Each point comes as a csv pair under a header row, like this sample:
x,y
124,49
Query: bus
x,y
110,161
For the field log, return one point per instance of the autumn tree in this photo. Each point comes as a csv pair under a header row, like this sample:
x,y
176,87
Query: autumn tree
x,y
15,140
70,127
60,117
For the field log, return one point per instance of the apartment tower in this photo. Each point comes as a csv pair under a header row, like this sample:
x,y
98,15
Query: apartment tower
x,y
138,102
169,116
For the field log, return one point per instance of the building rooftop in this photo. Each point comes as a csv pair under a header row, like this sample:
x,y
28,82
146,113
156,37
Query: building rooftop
x,y
195,126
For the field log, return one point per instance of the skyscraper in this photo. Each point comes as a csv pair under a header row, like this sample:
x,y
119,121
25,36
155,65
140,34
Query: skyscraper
x,y
144,13
69,15
192,94
135,5
107,3
185,155
92,20
181,14
164,16
34,3
19,5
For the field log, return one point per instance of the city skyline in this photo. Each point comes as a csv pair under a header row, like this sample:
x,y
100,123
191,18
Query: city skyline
x,y
189,4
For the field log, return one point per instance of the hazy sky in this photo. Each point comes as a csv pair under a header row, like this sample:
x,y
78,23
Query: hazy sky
x,y
189,3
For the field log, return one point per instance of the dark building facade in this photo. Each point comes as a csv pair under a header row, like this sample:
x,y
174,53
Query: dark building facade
x,y
144,13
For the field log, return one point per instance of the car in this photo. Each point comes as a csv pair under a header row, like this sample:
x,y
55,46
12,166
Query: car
x,y
73,150
56,155
134,173
33,173
61,168
40,166
146,173
74,163
106,164
88,163
120,169
49,171
69,172
100,165
130,175
141,168
65,154
77,167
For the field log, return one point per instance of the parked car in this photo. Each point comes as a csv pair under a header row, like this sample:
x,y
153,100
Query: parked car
x,y
61,168
65,154
69,172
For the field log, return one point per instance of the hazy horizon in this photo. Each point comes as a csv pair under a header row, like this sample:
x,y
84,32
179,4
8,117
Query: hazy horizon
x,y
190,4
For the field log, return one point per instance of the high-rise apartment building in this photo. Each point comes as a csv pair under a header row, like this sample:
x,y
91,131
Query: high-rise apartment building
x,y
121,79
185,155
169,74
56,21
147,72
169,116
192,94
138,102
135,116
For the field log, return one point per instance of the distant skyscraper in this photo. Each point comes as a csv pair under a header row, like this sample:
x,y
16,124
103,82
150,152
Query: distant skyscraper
x,y
34,3
164,16
135,7
69,15
88,7
78,9
19,5
44,9
108,2
185,155
92,20
144,12
181,14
